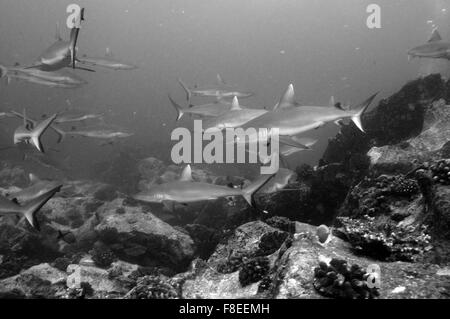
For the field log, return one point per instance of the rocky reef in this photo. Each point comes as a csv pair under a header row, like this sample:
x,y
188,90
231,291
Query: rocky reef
x,y
382,201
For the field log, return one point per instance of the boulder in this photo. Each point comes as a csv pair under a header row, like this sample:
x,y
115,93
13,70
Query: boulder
x,y
136,235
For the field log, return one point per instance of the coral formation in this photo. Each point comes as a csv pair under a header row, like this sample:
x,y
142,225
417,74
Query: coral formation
x,y
338,280
384,242
253,270
154,287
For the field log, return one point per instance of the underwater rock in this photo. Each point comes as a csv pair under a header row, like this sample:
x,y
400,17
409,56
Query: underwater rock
x,y
282,223
314,200
238,264
141,237
12,175
426,146
441,212
386,242
205,239
21,248
40,281
323,233
98,280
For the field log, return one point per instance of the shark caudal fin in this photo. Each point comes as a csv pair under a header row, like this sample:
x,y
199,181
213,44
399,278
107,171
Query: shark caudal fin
x,y
30,209
359,111
39,130
177,107
251,189
186,89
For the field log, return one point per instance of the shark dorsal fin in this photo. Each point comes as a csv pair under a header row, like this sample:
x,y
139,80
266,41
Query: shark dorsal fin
x,y
287,100
186,175
435,36
332,101
109,53
25,121
235,104
33,178
220,81
57,33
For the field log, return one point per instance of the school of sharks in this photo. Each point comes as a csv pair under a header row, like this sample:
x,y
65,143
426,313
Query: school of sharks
x,y
291,118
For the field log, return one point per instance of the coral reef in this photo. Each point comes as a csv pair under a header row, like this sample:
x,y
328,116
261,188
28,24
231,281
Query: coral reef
x,y
339,280
441,172
253,270
384,242
153,287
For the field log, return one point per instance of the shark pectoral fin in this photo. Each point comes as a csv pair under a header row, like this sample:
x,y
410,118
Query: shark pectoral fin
x,y
169,205
319,125
339,123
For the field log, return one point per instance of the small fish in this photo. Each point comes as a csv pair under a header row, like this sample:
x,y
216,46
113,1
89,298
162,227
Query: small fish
x,y
28,210
185,191
220,90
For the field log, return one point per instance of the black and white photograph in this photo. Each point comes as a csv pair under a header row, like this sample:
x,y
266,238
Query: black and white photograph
x,y
224,157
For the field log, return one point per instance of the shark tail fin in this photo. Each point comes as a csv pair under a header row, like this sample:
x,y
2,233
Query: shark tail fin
x,y
251,189
177,107
31,208
359,111
39,130
186,89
